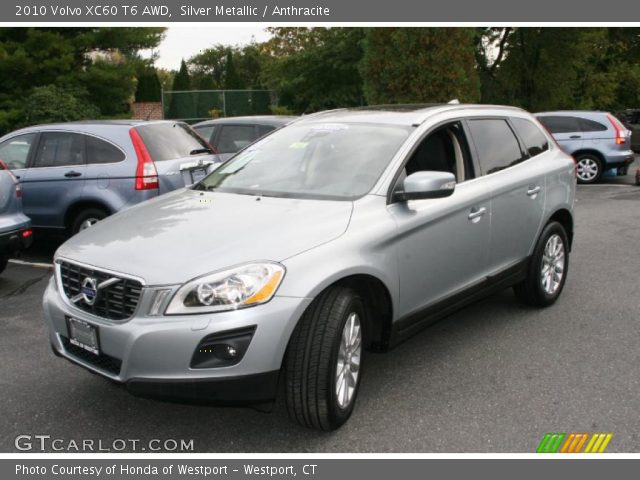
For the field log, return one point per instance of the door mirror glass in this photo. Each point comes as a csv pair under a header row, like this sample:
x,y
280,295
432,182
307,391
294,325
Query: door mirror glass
x,y
421,185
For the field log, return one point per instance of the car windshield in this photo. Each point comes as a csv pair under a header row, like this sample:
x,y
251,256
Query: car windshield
x,y
337,161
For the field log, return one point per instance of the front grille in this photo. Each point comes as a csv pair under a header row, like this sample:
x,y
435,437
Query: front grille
x,y
103,362
114,302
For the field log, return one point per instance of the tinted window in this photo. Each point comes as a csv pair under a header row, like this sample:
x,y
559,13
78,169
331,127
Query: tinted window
x,y
560,124
264,129
169,141
496,143
99,151
206,131
56,149
333,160
234,137
534,140
591,126
15,151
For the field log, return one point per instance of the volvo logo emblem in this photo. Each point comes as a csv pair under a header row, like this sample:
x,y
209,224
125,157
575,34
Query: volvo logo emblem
x,y
89,290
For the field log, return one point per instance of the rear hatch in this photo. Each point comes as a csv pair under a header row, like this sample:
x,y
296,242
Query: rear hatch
x,y
181,157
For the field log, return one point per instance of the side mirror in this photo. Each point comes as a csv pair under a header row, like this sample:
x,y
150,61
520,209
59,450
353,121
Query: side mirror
x,y
421,185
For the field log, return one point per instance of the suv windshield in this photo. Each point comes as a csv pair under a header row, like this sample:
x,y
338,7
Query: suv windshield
x,y
334,161
168,141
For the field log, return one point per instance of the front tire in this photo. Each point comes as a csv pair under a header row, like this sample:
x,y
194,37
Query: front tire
x,y
548,268
588,168
323,364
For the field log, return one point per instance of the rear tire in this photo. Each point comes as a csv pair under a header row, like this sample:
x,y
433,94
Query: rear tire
x,y
87,218
588,168
323,364
547,270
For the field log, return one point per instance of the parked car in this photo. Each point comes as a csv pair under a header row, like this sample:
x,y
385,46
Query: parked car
x,y
75,174
631,120
230,134
347,230
15,231
597,140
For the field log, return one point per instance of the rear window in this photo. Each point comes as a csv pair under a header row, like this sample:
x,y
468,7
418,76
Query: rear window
x,y
235,137
534,140
558,124
169,141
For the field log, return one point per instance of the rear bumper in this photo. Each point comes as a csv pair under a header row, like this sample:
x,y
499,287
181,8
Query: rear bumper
x,y
15,240
620,160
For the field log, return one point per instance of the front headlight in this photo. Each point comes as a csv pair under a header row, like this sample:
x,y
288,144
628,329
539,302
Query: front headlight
x,y
239,287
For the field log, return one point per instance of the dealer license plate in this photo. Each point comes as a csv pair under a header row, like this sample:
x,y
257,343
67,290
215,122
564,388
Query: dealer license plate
x,y
83,335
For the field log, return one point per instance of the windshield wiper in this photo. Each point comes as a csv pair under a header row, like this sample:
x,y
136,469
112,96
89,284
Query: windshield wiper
x,y
198,151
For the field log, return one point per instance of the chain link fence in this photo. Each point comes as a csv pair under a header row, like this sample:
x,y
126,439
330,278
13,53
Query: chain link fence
x,y
197,105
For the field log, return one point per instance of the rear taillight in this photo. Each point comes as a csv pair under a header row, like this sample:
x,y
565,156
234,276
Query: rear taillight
x,y
146,173
621,132
3,166
27,233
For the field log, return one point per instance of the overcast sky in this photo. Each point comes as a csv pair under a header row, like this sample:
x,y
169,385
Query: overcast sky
x,y
184,42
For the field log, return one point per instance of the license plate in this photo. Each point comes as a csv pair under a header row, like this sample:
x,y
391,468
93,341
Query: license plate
x,y
198,174
83,335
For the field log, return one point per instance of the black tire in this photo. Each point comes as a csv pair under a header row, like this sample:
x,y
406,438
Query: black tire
x,y
531,291
86,215
312,359
3,262
591,160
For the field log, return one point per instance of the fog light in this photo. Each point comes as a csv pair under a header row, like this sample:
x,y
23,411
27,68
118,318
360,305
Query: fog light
x,y
222,349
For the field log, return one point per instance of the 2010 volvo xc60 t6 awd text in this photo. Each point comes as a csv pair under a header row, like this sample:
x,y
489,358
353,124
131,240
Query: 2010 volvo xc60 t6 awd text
x,y
344,232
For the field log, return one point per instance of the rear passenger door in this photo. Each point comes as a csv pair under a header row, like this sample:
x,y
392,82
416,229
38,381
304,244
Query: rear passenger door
x,y
108,179
566,130
55,178
517,183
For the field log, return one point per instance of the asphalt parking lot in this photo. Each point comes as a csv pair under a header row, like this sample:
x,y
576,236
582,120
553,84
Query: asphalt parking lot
x,y
494,377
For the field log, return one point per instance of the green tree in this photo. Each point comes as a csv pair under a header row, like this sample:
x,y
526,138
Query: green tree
x,y
182,104
416,65
53,104
148,88
100,61
314,68
232,80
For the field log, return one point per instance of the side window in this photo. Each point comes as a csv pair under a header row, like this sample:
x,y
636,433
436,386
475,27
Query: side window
x,y
57,149
234,137
591,126
15,151
444,150
534,140
99,151
206,131
560,124
264,129
497,146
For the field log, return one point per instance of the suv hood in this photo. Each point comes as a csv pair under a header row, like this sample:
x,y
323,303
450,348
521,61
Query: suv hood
x,y
186,234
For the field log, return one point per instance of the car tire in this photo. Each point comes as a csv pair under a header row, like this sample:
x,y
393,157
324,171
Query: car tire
x,y
87,218
547,270
4,260
588,168
323,363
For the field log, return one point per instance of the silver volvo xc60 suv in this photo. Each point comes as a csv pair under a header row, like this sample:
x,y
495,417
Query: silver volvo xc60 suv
x,y
344,232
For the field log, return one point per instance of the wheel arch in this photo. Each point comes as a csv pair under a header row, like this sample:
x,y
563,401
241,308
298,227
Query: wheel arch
x,y
75,208
590,151
564,217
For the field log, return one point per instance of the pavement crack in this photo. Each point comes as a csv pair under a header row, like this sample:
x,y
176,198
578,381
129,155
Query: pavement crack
x,y
25,286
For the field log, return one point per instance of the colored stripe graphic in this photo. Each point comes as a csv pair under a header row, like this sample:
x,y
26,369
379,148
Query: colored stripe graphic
x,y
573,442
550,443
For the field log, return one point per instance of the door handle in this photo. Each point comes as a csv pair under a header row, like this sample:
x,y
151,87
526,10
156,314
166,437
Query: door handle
x,y
72,174
533,191
575,136
476,214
